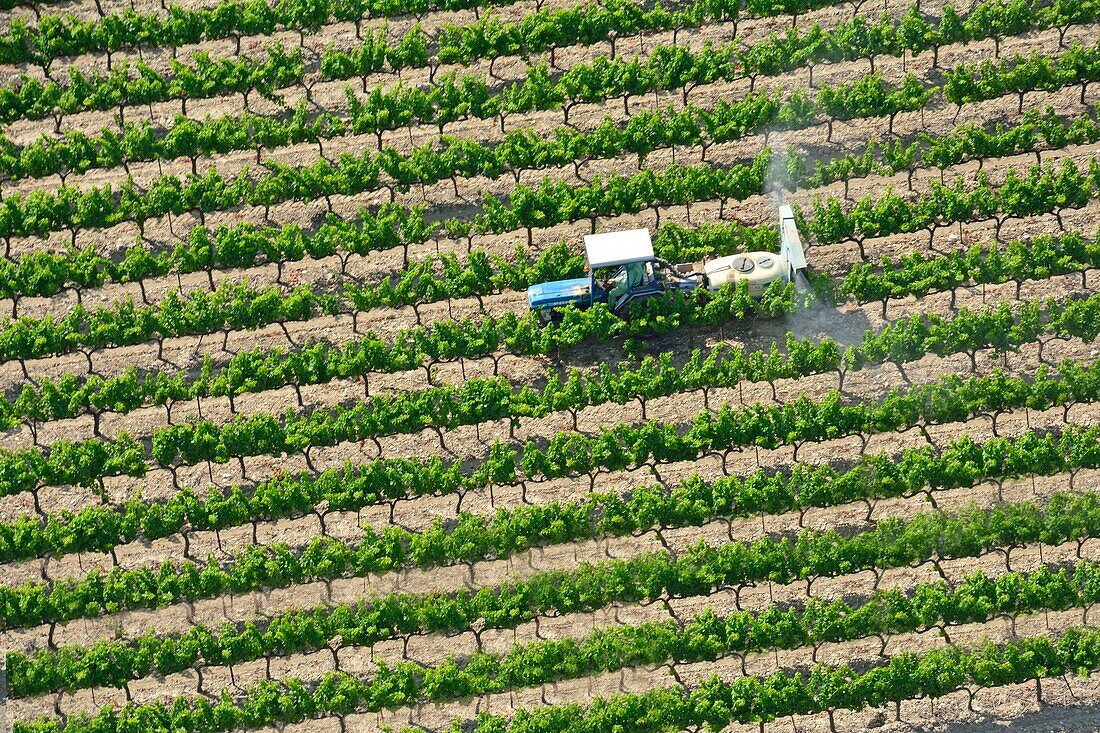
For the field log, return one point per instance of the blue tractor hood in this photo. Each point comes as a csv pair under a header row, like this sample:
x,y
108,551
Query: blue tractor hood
x,y
559,293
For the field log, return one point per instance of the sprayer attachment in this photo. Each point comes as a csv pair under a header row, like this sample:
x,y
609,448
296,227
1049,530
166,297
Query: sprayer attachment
x,y
790,244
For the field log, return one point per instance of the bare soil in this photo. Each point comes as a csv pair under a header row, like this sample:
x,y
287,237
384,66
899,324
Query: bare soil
x,y
1068,704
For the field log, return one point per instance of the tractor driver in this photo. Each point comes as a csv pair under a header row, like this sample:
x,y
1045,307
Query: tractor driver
x,y
629,277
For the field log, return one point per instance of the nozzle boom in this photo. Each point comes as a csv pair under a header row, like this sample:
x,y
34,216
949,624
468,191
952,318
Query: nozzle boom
x,y
790,244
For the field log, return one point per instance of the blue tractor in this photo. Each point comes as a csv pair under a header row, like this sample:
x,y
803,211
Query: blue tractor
x,y
622,269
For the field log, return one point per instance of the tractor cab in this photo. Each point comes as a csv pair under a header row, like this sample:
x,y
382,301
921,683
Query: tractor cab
x,y
620,270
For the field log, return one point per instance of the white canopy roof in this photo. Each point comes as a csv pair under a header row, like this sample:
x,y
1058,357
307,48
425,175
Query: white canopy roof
x,y
618,248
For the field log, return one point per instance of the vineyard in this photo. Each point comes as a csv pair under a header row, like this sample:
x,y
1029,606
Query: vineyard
x,y
283,447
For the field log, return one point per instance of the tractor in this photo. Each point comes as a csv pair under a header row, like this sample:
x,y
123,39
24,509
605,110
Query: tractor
x,y
621,269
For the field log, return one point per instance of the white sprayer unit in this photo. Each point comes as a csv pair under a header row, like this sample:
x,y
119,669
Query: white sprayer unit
x,y
760,269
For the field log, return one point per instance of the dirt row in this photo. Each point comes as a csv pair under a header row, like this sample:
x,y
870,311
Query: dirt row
x,y
470,441
430,19
370,266
349,206
840,71
342,36
1070,705
438,717
320,270
756,209
52,500
845,326
381,264
185,353
363,661
868,385
853,516
141,423
91,11
233,163
261,604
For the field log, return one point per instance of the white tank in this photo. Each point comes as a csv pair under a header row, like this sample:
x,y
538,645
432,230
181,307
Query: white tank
x,y
759,269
